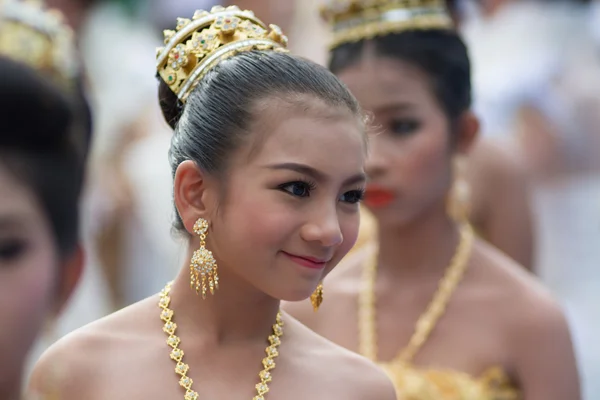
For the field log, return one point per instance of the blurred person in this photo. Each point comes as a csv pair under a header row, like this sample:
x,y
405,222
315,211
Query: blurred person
x,y
445,313
543,92
500,200
46,133
268,162
127,195
127,203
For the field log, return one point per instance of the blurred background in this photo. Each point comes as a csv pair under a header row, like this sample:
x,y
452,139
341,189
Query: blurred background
x,y
536,75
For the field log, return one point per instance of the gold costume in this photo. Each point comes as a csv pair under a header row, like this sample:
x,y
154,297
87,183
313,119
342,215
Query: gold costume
x,y
411,382
356,20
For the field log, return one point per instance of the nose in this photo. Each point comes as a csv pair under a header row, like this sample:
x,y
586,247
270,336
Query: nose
x,y
376,163
324,228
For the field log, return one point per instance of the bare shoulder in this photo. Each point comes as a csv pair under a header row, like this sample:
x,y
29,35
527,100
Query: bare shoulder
x,y
81,359
525,301
495,168
498,159
347,374
537,334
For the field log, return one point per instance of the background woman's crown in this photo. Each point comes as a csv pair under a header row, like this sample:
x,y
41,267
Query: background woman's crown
x,y
355,20
198,44
38,38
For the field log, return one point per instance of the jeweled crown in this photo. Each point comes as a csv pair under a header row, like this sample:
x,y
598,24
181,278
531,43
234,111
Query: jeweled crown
x,y
39,38
198,44
355,20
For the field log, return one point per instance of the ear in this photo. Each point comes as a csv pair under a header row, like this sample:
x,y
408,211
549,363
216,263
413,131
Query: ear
x,y
71,271
467,132
192,199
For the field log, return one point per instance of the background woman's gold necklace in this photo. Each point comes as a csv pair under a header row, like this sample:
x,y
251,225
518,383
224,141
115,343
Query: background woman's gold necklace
x,y
181,368
428,320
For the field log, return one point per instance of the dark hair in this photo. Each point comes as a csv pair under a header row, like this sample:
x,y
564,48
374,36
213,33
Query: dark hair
x,y
219,112
441,54
45,140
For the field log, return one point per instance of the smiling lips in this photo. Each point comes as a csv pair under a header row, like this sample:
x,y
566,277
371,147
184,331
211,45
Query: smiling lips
x,y
377,196
308,262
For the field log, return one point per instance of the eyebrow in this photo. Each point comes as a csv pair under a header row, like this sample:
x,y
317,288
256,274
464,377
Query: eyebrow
x,y
395,106
10,222
316,174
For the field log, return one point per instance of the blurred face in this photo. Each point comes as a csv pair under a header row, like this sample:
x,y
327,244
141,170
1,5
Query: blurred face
x,y
290,211
28,270
409,165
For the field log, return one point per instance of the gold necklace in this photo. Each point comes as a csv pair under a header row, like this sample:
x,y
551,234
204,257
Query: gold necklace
x,y
428,320
182,369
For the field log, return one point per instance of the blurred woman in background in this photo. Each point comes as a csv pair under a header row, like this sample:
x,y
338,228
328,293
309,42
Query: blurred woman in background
x,y
447,315
46,131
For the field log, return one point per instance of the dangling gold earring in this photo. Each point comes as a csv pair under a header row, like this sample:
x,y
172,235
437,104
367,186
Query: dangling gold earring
x,y
203,268
317,297
459,199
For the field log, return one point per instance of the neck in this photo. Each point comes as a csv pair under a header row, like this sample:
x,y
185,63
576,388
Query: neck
x,y
236,312
422,247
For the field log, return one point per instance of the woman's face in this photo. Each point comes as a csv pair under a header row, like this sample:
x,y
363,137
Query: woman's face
x,y
28,269
409,164
289,209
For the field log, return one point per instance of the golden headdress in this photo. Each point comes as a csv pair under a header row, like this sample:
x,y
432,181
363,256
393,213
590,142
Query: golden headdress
x,y
39,38
199,44
355,20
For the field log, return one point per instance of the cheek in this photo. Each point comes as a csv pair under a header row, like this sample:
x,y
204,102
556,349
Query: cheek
x,y
25,298
250,223
426,163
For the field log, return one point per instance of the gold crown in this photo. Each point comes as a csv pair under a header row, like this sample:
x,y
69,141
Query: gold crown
x,y
355,20
197,45
39,38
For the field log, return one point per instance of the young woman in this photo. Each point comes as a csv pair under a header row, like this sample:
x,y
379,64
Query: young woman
x,y
448,315
43,146
267,155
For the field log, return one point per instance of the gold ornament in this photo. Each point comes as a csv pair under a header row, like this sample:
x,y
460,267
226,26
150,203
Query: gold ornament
x,y
204,276
355,20
200,43
427,321
316,298
40,39
173,341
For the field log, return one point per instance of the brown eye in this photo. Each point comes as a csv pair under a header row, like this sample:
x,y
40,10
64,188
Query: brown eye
x,y
11,249
404,127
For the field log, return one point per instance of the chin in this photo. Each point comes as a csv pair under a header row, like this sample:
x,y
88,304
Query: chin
x,y
294,294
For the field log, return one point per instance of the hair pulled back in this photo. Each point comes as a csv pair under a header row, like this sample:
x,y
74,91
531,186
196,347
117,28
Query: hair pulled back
x,y
219,112
441,54
44,144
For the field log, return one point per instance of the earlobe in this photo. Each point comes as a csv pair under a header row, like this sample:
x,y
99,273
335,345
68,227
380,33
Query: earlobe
x,y
190,194
468,132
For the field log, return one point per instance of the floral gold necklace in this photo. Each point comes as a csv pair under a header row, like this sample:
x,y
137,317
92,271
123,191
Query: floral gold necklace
x,y
182,369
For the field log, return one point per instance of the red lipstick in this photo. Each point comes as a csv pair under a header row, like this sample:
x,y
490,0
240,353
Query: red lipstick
x,y
377,196
307,261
